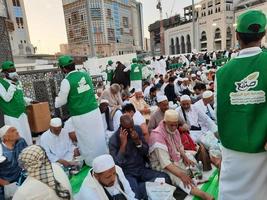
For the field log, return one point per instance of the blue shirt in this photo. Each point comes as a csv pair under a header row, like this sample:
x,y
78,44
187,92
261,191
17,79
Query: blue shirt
x,y
133,161
10,170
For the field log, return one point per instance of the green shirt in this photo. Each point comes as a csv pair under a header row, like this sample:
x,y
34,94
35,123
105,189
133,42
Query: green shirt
x,y
136,72
241,103
81,98
16,106
110,73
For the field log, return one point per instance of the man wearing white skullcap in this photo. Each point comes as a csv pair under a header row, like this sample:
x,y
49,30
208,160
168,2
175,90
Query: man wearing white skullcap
x,y
206,104
106,181
139,103
157,117
11,145
57,144
195,118
167,154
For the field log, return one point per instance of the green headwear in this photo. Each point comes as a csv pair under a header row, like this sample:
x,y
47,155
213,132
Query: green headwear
x,y
65,61
7,65
248,18
110,62
134,60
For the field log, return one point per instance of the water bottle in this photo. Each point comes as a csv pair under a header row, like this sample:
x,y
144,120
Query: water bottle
x,y
200,169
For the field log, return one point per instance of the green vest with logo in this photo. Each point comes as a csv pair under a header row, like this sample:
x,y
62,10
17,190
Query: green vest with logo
x,y
136,72
81,97
16,106
110,73
241,103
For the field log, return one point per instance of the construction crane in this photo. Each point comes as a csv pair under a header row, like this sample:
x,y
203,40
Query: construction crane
x,y
159,7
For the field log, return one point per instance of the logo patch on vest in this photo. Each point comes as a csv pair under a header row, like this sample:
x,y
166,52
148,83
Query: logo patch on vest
x,y
136,70
243,96
83,86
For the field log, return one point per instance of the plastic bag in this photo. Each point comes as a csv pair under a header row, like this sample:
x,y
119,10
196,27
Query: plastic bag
x,y
159,191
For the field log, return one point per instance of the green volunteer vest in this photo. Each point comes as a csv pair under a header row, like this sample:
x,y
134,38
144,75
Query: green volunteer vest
x,y
81,97
110,74
16,106
136,72
241,103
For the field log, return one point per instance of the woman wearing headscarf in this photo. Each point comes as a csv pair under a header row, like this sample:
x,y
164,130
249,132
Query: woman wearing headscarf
x,y
45,180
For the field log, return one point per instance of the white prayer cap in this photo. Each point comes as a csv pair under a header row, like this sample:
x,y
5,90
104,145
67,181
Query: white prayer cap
x,y
103,163
4,130
185,98
161,98
56,122
207,94
193,75
213,70
185,79
199,73
104,101
171,116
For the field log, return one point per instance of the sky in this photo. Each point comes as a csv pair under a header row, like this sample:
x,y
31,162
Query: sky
x,y
47,26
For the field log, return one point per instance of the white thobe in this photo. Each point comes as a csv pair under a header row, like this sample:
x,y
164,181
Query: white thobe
x,y
108,133
57,147
147,90
92,189
138,119
155,66
89,128
197,118
251,167
21,123
36,190
163,66
205,108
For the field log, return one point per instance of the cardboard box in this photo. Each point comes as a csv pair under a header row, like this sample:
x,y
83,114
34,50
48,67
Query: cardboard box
x,y
39,117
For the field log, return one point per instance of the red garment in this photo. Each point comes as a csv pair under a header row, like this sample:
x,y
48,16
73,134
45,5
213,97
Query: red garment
x,y
187,141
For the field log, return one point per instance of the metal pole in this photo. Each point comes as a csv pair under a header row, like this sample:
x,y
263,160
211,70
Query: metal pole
x,y
90,31
194,24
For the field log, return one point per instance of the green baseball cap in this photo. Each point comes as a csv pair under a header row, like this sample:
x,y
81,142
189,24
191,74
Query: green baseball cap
x,y
134,60
65,61
110,62
250,17
7,65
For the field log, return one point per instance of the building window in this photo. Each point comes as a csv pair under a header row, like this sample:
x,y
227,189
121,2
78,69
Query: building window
x,y
111,34
19,21
228,7
125,22
81,17
69,21
219,9
16,3
24,41
21,41
109,13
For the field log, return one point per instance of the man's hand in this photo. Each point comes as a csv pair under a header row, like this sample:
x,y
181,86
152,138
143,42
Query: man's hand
x,y
187,181
185,127
123,137
65,163
3,182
